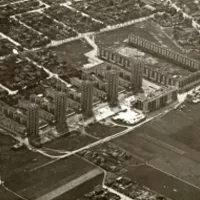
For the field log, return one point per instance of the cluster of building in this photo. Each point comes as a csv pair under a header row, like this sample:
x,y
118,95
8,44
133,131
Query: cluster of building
x,y
130,70
132,189
100,193
156,99
110,158
101,82
194,97
149,73
130,74
12,120
28,124
175,57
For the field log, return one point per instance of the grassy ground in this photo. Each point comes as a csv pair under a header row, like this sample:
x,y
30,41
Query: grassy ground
x,y
179,166
147,29
194,54
163,183
70,143
173,145
181,125
6,195
100,130
73,52
138,146
82,189
16,162
33,184
117,36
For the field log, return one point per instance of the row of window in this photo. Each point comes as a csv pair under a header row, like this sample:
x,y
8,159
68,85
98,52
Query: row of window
x,y
165,52
115,58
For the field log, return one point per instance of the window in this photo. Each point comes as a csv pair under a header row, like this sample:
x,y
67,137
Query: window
x,y
112,56
104,53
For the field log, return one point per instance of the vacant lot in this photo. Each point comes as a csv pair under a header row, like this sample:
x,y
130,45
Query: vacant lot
x,y
101,130
33,184
149,30
181,125
163,183
16,162
179,166
73,52
70,142
117,36
138,145
170,142
177,129
6,195
82,189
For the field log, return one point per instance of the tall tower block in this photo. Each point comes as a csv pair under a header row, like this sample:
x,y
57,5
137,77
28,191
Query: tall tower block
x,y
87,97
60,110
33,120
113,84
136,74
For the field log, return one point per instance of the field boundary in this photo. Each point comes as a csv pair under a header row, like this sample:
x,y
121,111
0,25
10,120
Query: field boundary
x,y
175,177
162,144
70,185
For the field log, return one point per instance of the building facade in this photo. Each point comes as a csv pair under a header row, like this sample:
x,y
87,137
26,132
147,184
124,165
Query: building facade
x,y
156,100
87,93
113,84
136,75
61,110
33,119
164,52
130,70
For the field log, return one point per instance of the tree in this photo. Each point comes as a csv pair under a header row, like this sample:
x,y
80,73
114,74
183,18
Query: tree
x,y
180,15
173,11
4,22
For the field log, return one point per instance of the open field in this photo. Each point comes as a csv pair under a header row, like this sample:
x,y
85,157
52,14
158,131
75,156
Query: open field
x,y
117,36
148,29
70,142
6,195
100,130
73,52
33,184
178,166
168,139
163,183
180,124
17,162
82,189
142,149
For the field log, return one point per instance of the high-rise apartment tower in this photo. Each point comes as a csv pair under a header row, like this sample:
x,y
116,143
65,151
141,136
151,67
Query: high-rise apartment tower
x,y
113,84
33,119
136,74
60,110
87,97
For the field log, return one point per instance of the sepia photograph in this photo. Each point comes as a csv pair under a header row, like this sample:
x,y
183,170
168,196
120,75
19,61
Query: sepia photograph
x,y
99,99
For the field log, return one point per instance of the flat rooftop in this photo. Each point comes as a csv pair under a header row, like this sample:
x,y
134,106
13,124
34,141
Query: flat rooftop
x,y
153,62
151,90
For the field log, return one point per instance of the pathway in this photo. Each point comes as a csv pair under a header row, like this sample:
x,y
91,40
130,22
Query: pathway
x,y
10,92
